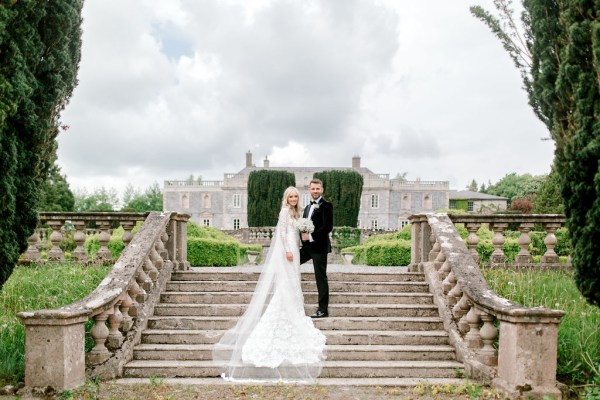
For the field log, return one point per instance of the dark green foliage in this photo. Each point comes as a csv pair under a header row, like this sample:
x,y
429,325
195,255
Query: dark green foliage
x,y
55,192
343,189
561,79
39,56
115,245
212,252
265,191
388,253
102,200
346,236
150,200
548,199
513,186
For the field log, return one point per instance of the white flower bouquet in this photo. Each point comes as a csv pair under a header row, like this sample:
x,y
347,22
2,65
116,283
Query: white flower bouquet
x,y
305,225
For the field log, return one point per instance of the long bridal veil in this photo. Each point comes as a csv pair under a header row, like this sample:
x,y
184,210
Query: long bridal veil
x,y
274,340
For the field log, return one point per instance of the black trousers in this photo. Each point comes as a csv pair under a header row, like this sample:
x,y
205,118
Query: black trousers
x,y
320,266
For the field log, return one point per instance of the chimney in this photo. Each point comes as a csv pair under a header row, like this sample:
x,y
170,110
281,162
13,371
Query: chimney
x,y
266,162
248,159
356,161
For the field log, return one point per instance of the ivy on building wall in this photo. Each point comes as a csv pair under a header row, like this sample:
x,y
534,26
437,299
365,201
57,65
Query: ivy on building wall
x,y
265,191
343,189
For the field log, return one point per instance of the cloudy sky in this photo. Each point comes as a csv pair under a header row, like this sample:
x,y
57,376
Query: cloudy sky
x,y
179,87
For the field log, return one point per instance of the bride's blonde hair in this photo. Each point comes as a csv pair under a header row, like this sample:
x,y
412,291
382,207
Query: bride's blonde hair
x,y
294,210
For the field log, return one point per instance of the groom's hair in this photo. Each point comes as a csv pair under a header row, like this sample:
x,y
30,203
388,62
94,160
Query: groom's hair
x,y
316,181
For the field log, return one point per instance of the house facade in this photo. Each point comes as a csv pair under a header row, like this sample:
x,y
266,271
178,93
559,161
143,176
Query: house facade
x,y
386,202
476,202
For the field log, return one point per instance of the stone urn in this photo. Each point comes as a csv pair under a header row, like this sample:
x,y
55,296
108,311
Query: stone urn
x,y
347,257
252,256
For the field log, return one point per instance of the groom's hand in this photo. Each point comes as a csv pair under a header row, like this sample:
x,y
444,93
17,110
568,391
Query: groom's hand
x,y
289,256
305,236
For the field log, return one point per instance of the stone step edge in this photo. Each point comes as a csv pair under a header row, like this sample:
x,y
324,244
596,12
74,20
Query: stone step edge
x,y
378,382
334,347
326,364
336,332
335,319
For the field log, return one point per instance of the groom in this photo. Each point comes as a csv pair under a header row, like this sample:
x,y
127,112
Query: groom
x,y
316,245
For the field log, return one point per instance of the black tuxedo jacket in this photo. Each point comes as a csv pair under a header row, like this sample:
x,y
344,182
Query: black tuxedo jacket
x,y
322,219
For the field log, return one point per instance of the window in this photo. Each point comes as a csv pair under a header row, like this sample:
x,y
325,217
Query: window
x,y
405,202
206,222
374,224
427,202
374,201
236,223
452,204
305,199
185,201
403,223
206,201
469,205
237,200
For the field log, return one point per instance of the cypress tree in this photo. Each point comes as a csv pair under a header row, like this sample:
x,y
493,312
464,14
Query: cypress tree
x,y
40,45
343,189
558,56
265,191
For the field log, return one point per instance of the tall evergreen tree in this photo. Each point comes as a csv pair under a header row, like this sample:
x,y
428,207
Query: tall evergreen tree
x,y
343,189
265,190
557,50
40,45
56,195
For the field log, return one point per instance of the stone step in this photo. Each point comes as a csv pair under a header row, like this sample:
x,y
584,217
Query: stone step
x,y
355,337
342,382
334,352
381,275
307,286
309,298
337,310
331,369
411,322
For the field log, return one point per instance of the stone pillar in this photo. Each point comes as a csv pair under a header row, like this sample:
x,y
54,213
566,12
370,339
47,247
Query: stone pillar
x,y
32,252
79,254
498,240
415,245
54,352
56,253
182,242
524,256
527,357
425,240
472,239
171,244
550,255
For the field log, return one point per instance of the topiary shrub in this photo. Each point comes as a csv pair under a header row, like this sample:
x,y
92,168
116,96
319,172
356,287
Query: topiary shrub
x,y
212,252
387,253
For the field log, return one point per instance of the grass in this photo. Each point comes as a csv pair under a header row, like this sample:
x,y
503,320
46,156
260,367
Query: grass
x,y
35,287
578,333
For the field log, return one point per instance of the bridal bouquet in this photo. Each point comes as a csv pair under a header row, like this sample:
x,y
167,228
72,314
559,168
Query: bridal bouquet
x,y
305,225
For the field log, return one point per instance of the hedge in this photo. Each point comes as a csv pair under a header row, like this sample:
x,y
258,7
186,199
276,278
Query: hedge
x,y
212,252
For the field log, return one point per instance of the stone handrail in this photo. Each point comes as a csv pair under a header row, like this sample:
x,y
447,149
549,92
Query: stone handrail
x,y
498,223
79,222
524,364
119,308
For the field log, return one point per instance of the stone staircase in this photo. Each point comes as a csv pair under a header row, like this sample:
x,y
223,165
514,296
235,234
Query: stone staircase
x,y
383,327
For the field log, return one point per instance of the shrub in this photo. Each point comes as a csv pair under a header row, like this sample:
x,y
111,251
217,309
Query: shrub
x,y
346,236
212,252
388,253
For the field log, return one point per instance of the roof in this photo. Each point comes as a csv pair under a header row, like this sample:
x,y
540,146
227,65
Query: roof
x,y
468,195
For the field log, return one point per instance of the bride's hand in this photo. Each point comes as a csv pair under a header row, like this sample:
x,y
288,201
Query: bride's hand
x,y
289,256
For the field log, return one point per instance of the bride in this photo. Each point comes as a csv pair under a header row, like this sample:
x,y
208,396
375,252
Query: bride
x,y
274,340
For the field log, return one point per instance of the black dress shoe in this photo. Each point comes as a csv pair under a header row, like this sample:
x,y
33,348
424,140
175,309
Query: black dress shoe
x,y
319,314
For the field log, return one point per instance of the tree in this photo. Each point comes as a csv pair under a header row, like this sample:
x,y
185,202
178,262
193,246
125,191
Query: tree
x,y
521,205
343,189
265,191
513,186
557,51
56,195
40,45
150,200
472,186
548,199
102,200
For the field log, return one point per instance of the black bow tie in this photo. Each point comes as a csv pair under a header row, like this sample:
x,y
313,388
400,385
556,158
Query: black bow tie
x,y
313,202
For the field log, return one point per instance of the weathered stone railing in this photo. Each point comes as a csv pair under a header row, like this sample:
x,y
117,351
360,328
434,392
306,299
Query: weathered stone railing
x,y
79,222
524,364
119,308
498,223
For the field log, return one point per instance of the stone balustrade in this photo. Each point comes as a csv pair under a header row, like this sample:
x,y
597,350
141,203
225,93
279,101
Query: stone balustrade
x,y
498,223
524,363
119,308
60,222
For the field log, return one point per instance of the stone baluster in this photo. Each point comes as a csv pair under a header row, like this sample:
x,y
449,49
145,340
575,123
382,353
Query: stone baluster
x,y
144,282
435,248
56,253
473,336
150,270
99,333
524,256
488,332
125,305
32,253
472,239
155,257
127,227
444,270
104,255
550,256
454,294
498,240
79,254
134,291
459,312
449,282
439,260
161,246
115,337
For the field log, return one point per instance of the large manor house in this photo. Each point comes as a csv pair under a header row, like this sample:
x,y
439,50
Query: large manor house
x,y
386,202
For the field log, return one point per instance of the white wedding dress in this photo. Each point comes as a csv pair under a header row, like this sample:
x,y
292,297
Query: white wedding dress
x,y
274,340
